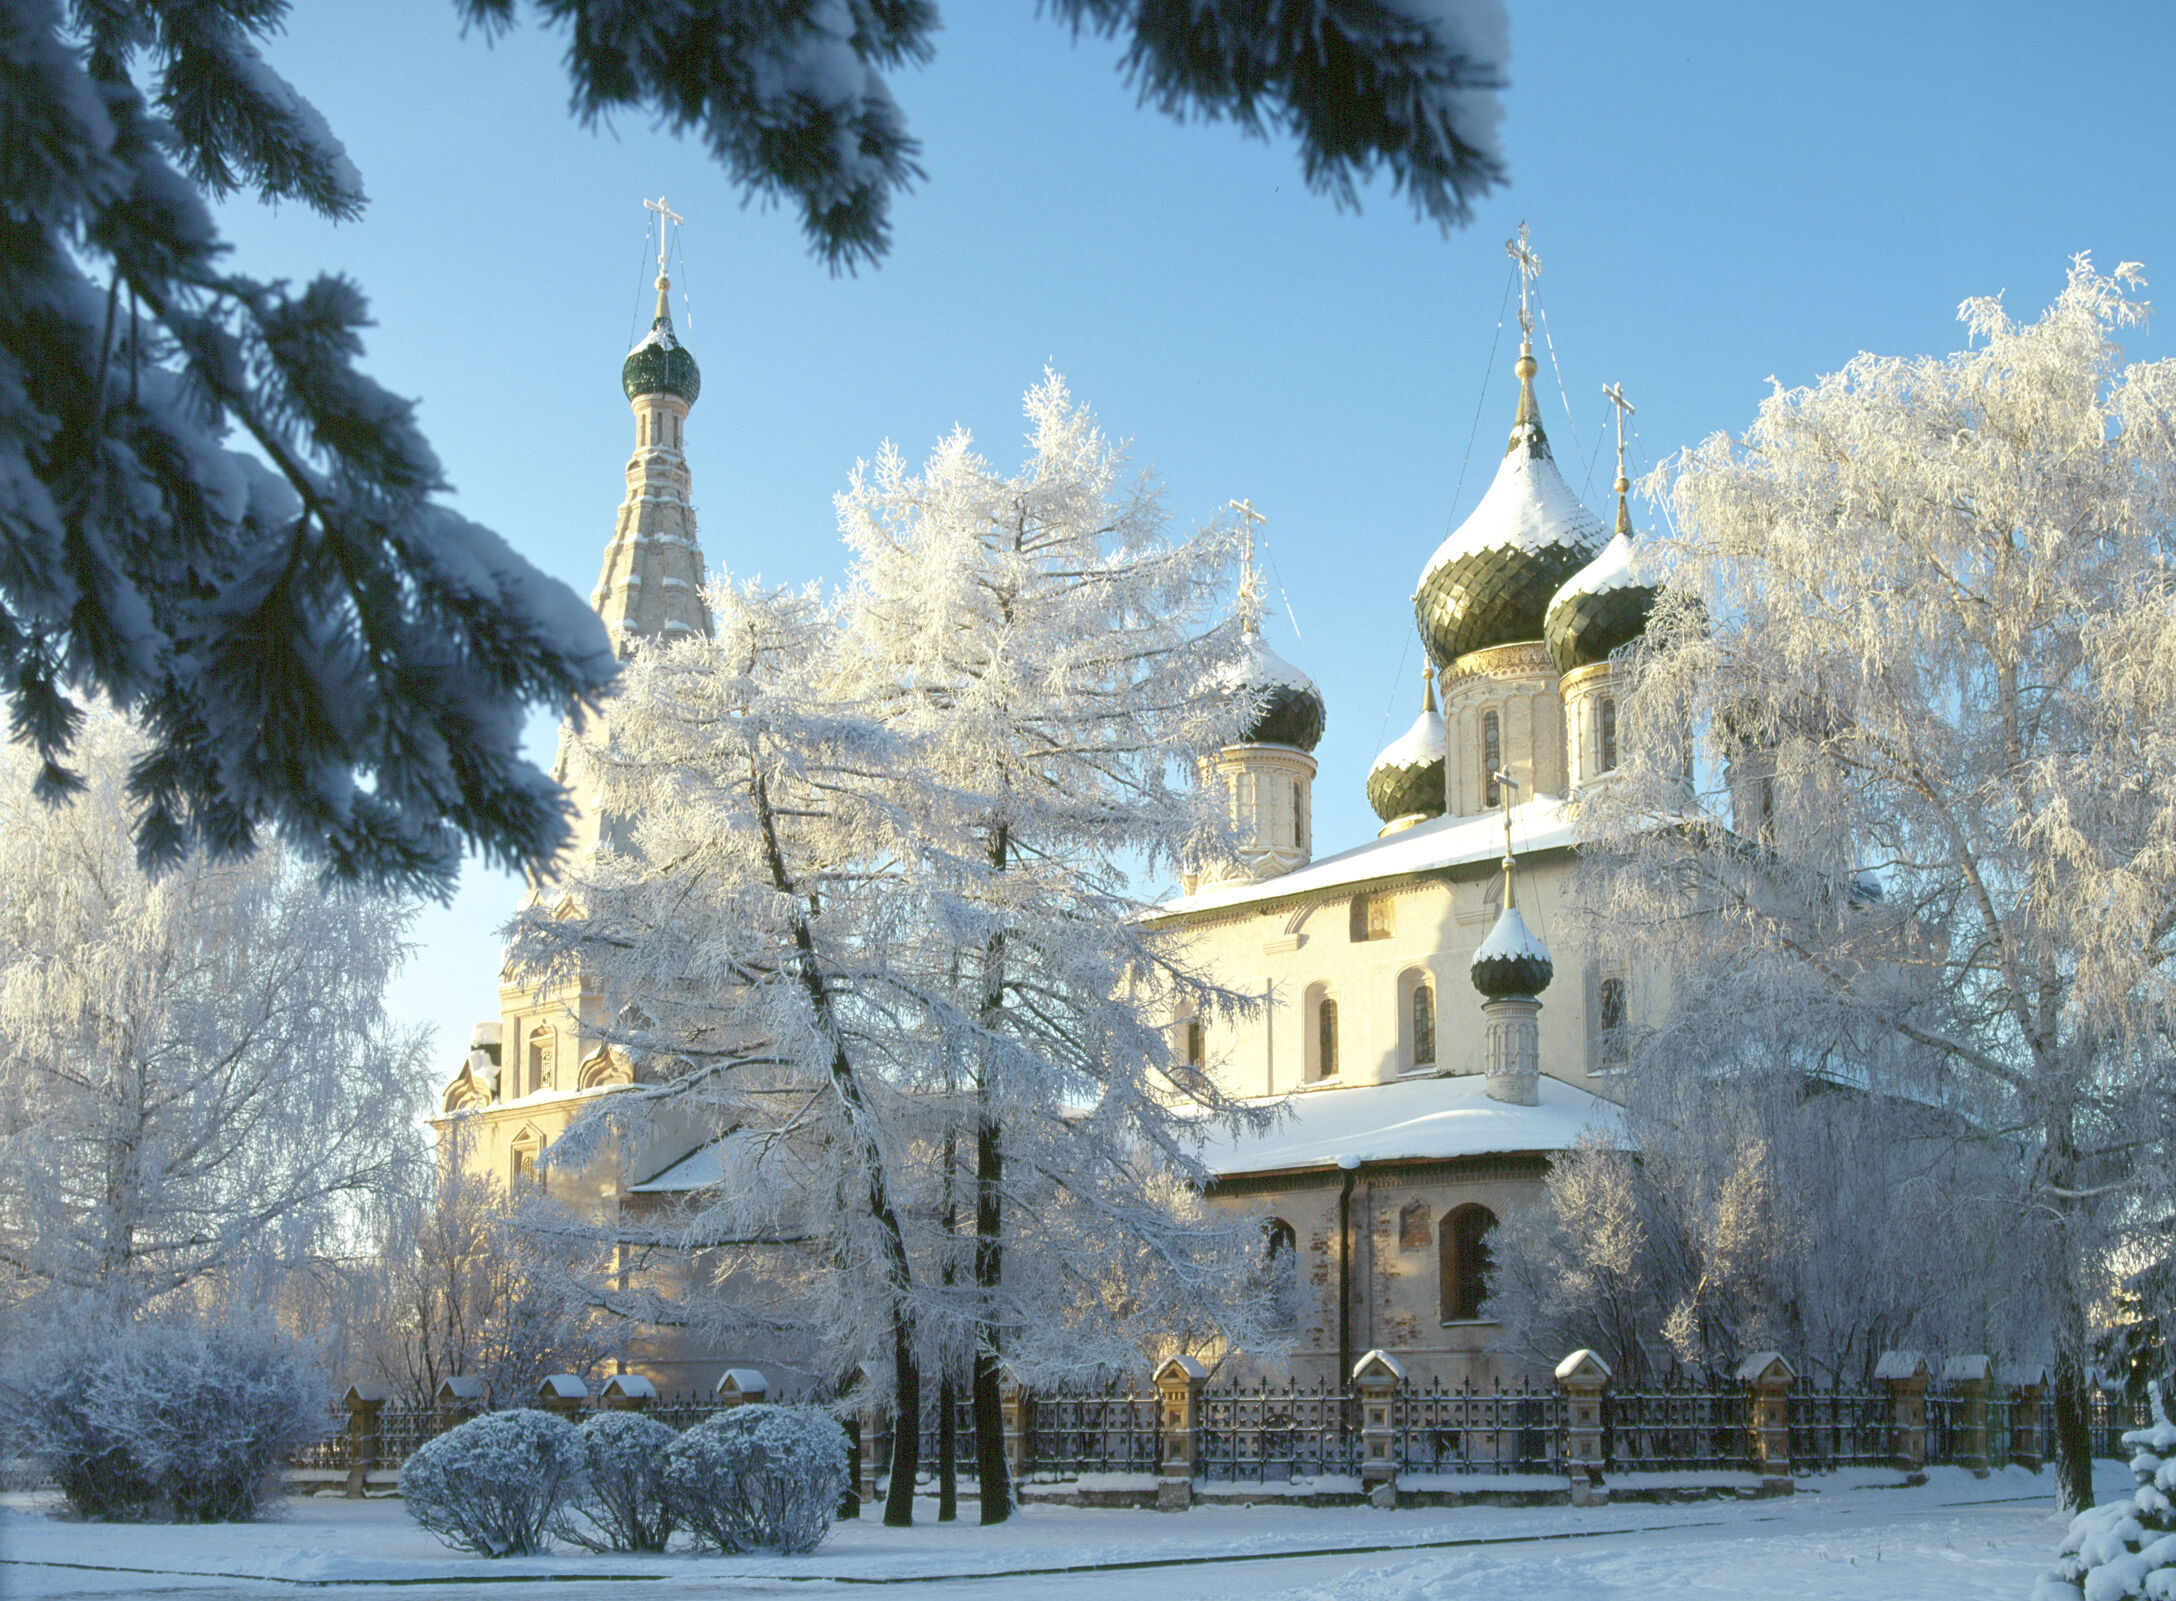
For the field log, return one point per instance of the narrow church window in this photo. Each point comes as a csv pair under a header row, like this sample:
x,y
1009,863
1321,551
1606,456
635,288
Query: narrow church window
x,y
1609,1022
1299,815
1609,734
1326,1037
1414,1231
1280,1273
1424,1025
1197,1045
540,1059
1356,919
1463,1262
524,1164
1492,757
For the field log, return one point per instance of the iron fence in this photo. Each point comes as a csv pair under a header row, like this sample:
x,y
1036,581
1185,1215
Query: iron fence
x,y
1468,1430
1275,1433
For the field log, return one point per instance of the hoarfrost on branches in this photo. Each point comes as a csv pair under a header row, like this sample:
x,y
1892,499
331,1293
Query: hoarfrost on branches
x,y
495,1485
622,1503
1923,628
758,1478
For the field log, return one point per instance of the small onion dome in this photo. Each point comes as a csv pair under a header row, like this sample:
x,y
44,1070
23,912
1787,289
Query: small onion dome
x,y
1288,707
1407,779
1603,606
1511,961
1490,582
661,364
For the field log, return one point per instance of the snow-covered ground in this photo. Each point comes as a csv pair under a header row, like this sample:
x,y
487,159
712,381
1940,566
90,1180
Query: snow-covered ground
x,y
1842,1538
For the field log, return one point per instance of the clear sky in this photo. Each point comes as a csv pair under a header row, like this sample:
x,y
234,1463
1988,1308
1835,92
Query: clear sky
x,y
1719,193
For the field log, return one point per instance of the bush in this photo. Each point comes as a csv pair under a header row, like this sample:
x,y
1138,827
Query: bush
x,y
2125,1547
496,1485
758,1478
172,1421
621,1504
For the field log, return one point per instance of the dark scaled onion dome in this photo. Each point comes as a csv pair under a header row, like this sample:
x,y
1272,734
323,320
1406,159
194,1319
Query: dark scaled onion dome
x,y
1604,604
1490,583
1288,707
661,364
1511,961
1407,779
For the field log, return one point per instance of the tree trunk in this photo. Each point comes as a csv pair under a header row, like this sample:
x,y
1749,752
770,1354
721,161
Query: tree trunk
x,y
2073,1431
991,1469
948,1450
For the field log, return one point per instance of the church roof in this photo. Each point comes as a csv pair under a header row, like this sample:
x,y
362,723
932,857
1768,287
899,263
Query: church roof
x,y
1412,1120
661,364
1543,823
1288,706
1602,606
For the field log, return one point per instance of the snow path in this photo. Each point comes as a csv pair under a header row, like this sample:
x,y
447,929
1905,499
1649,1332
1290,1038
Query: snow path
x,y
1845,1541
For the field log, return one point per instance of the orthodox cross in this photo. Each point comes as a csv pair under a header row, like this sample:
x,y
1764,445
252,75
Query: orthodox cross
x,y
1624,409
1521,251
665,216
1249,602
1505,785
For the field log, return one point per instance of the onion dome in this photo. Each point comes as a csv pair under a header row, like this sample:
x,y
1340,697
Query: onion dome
x,y
1491,581
1511,961
1288,707
1603,605
661,364
1406,782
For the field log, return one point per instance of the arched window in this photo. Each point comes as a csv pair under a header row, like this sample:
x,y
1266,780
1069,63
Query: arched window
x,y
1424,1025
1609,734
1609,1022
1197,1043
1463,1262
540,1059
1280,1273
528,1145
1492,757
1326,1038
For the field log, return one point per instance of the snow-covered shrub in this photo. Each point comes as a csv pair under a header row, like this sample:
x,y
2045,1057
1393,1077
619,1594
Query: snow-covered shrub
x,y
2126,1547
170,1420
496,1485
621,1504
758,1478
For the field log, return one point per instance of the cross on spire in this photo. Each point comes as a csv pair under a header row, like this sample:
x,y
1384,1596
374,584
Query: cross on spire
x,y
1250,602
1505,784
666,217
1521,251
1624,408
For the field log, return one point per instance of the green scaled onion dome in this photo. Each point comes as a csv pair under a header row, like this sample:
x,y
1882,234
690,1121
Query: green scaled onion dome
x,y
1490,583
1288,707
1511,961
661,364
1407,778
1604,605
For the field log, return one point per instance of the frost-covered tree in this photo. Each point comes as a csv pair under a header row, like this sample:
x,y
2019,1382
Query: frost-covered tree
x,y
1042,650
198,1082
1924,624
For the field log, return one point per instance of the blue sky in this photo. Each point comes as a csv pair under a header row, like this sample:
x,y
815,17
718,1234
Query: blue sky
x,y
1720,194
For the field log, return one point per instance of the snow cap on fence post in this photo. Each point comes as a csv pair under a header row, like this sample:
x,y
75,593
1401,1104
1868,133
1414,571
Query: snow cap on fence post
x,y
1378,1376
363,1401
628,1392
743,1387
562,1393
1178,1387
1905,1373
1970,1374
459,1397
1583,1376
1767,1379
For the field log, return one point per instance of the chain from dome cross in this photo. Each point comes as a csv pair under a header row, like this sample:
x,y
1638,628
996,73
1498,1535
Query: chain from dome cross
x,y
1250,596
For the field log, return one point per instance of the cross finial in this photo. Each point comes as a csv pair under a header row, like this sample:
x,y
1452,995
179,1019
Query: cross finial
x,y
1521,251
1505,784
1624,409
666,216
1250,601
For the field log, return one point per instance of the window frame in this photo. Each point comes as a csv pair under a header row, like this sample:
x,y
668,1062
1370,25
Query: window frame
x,y
1463,1263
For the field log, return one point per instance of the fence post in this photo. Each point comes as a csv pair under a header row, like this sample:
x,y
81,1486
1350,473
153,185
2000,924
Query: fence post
x,y
363,1402
1970,1374
876,1450
562,1394
456,1400
1377,1376
1178,1387
628,1392
1767,1379
1905,1372
1583,1376
1015,1403
2026,1396
742,1387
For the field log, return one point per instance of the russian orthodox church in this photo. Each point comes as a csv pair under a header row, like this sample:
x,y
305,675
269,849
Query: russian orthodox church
x,y
1435,1035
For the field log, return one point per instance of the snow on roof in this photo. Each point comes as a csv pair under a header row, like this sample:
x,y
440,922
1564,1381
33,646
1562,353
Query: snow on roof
x,y
482,1034
1618,567
631,1386
704,1168
1510,940
1259,667
564,1385
1423,1120
660,334
1417,746
744,1381
1543,823
1528,507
